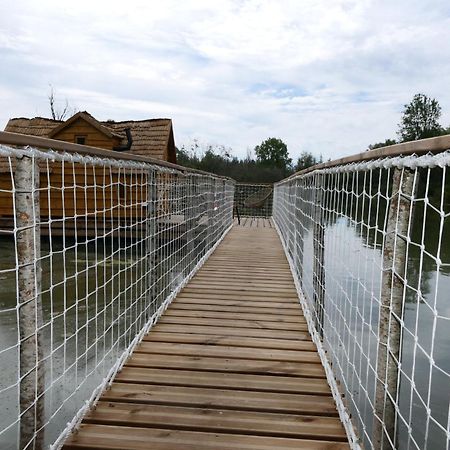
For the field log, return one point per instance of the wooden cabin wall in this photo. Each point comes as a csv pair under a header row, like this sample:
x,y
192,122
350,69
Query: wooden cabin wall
x,y
84,191
94,137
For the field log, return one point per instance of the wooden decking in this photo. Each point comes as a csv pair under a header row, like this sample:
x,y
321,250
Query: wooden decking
x,y
254,222
230,365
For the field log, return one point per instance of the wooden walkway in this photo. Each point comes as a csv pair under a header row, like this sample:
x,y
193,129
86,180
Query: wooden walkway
x,y
254,222
230,365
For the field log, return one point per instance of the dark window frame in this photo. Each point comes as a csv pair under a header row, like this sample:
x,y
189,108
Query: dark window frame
x,y
80,138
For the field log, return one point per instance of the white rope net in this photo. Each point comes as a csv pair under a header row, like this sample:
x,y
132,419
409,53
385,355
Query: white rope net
x,y
368,244
91,252
251,193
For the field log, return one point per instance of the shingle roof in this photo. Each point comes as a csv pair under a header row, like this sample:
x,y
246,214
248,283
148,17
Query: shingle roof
x,y
153,133
38,126
89,119
151,137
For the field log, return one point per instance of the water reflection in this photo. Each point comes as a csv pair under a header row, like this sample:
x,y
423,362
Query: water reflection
x,y
353,262
94,301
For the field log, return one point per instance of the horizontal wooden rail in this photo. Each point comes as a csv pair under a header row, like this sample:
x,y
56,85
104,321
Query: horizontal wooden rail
x,y
433,145
17,139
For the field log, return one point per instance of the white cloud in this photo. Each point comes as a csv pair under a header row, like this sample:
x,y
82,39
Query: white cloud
x,y
325,76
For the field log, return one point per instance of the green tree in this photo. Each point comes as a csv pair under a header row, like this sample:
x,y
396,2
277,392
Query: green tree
x,y
220,160
305,160
386,143
273,152
420,119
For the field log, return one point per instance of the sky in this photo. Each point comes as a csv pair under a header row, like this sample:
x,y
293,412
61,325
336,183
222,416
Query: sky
x,y
326,76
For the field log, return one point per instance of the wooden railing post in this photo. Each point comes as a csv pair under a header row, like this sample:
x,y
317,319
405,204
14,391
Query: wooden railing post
x,y
391,308
210,213
319,253
151,239
191,213
32,383
298,229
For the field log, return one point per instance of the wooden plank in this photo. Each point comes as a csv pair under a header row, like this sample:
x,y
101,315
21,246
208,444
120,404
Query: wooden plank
x,y
219,380
244,296
294,313
253,258
243,287
318,405
235,331
262,282
248,353
268,267
217,421
258,262
282,307
254,272
256,367
256,324
238,315
234,341
225,277
95,436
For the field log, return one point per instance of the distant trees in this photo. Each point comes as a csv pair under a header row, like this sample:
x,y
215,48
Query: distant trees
x,y
272,161
273,152
307,159
420,119
386,143
219,160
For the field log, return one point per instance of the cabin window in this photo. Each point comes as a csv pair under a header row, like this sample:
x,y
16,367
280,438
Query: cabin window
x,y
80,140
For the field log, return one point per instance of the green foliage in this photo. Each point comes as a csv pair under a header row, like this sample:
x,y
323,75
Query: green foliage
x,y
386,143
307,159
273,152
420,119
217,159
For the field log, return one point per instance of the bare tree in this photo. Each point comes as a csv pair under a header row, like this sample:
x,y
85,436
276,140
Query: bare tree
x,y
57,114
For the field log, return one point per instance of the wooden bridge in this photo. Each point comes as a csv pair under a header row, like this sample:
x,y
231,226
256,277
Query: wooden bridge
x,y
230,365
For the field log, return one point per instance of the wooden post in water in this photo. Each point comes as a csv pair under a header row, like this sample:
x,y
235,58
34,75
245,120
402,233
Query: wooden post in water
x,y
391,308
298,233
151,239
210,213
32,383
191,213
319,253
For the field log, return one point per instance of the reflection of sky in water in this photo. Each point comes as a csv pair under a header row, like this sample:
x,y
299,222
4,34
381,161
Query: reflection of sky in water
x,y
352,267
89,298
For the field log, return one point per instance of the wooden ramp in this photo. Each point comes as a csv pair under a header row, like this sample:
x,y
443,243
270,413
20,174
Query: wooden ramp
x,y
230,365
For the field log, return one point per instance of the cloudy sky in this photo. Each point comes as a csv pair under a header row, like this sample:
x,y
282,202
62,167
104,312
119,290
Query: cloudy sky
x,y
326,76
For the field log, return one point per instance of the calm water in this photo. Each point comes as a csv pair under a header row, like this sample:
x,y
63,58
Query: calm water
x,y
86,331
353,261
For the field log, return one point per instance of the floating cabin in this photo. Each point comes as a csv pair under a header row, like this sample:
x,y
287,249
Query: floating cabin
x,y
93,200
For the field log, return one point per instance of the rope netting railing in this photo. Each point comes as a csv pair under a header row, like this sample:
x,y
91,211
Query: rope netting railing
x,y
368,245
92,250
253,199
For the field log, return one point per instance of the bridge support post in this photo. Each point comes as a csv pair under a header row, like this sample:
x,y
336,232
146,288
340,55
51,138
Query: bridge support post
x,y
191,213
151,241
298,233
391,309
31,371
210,213
319,253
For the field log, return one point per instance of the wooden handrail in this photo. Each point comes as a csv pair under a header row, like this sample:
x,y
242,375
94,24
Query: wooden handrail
x,y
17,139
433,145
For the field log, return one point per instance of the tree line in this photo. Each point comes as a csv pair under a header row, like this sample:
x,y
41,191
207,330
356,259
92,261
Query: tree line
x,y
271,163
